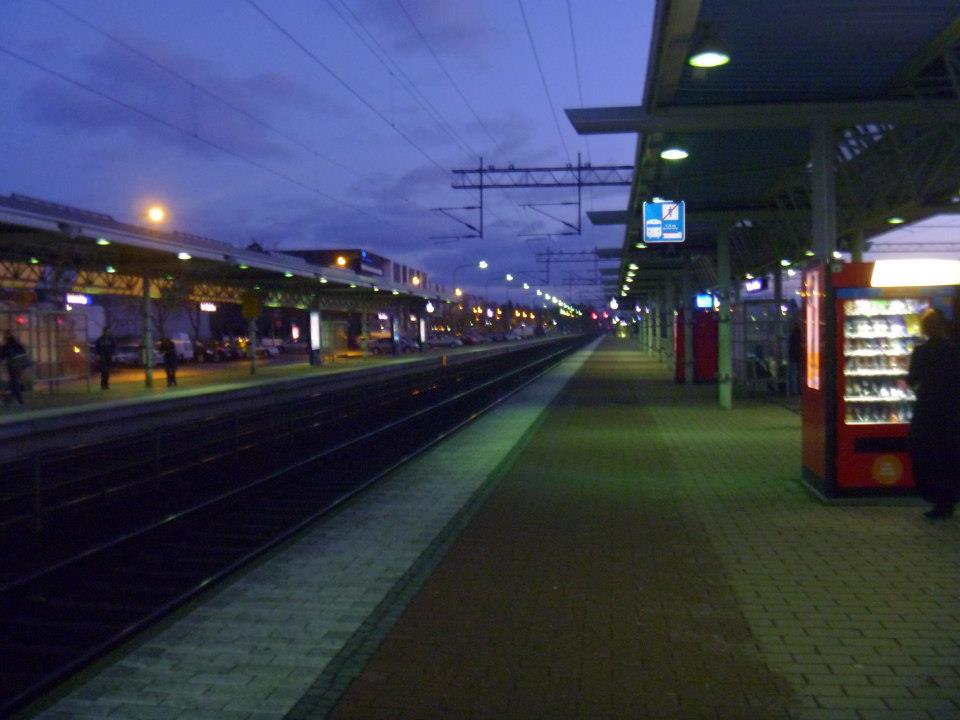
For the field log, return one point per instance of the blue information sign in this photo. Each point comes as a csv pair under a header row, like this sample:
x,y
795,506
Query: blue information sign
x,y
664,221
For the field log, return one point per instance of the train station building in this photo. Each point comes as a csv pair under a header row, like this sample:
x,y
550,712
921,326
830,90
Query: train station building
x,y
705,510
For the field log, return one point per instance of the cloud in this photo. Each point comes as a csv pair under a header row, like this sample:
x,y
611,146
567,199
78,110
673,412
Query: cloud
x,y
455,27
181,110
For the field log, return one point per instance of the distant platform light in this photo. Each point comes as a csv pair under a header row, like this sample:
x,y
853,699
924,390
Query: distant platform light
x,y
184,256
895,220
102,241
288,274
77,299
208,307
243,267
110,269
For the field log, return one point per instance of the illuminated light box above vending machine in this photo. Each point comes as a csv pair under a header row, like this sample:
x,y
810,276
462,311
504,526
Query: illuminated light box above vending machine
x,y
915,272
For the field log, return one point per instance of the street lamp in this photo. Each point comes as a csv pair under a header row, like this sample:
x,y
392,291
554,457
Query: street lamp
x,y
482,265
156,214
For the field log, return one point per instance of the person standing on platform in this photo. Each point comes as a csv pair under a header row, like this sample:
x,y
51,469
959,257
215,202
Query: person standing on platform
x,y
794,357
169,351
935,426
105,347
17,360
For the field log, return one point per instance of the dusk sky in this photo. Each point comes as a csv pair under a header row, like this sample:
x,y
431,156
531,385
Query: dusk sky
x,y
251,138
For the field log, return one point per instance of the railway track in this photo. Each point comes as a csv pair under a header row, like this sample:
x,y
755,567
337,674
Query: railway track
x,y
115,554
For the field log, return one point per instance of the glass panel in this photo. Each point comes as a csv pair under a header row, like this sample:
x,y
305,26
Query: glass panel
x,y
878,337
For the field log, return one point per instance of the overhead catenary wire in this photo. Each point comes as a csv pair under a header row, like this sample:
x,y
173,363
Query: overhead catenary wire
x,y
497,146
385,59
576,67
188,132
313,151
543,80
343,83
206,91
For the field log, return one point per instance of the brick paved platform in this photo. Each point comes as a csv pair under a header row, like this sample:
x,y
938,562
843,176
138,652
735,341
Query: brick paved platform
x,y
648,555
633,553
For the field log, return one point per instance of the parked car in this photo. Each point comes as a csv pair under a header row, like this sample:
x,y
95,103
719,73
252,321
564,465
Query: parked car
x,y
474,338
294,346
132,355
380,345
443,340
384,345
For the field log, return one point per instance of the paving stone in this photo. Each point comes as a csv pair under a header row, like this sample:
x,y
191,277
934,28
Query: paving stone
x,y
234,654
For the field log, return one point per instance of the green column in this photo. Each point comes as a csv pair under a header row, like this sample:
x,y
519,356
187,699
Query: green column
x,y
724,356
670,317
364,330
147,336
778,329
856,246
823,190
252,344
689,308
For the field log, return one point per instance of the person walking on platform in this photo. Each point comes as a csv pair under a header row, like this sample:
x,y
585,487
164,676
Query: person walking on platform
x,y
16,359
169,351
105,347
935,426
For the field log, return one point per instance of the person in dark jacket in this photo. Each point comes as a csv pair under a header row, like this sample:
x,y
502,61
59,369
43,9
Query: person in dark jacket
x,y
169,351
934,376
16,359
105,347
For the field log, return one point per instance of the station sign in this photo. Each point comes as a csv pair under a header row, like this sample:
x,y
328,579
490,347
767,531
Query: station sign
x,y
664,221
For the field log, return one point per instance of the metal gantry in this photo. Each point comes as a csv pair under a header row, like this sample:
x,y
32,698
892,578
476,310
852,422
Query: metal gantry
x,y
576,176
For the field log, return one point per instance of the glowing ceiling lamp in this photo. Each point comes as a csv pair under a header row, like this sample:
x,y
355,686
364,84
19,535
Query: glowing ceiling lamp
x,y
674,153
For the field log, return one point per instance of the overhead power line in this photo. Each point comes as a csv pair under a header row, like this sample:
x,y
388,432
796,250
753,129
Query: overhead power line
x,y
199,138
219,98
576,67
459,91
393,67
543,79
343,83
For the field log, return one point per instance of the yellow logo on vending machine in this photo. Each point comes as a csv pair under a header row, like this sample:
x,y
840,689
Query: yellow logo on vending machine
x,y
887,470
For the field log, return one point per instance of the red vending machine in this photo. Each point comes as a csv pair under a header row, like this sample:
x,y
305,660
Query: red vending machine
x,y
861,322
705,338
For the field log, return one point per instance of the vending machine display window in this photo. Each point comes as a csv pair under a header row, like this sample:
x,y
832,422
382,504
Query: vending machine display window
x,y
812,293
879,335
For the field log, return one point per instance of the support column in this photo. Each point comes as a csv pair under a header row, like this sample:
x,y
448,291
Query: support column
x,y
364,330
689,308
724,347
823,191
252,344
658,337
670,308
856,246
147,336
778,327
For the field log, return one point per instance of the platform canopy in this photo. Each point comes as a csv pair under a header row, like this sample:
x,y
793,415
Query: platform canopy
x,y
47,245
884,77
